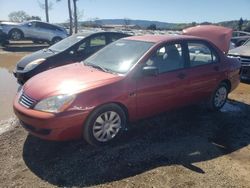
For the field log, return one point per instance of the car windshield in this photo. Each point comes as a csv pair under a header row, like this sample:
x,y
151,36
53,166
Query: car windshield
x,y
247,43
67,42
119,56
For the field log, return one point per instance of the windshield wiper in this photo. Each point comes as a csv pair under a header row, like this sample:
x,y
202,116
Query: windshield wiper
x,y
53,51
96,66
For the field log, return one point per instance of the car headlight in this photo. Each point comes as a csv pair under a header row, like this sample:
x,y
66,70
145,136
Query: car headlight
x,y
55,104
33,64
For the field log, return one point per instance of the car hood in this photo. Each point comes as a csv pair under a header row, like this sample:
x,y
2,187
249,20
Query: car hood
x,y
241,51
220,36
34,56
67,79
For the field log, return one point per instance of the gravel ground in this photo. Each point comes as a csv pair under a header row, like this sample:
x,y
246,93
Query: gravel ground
x,y
190,147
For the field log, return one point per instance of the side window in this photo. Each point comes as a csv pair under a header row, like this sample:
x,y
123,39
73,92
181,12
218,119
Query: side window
x,y
98,41
82,47
200,54
167,58
114,37
41,25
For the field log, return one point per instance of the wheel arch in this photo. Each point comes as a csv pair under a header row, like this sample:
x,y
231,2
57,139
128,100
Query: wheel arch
x,y
228,83
121,105
15,29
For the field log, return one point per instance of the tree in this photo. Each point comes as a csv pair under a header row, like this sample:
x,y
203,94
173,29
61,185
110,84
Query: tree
x,y
18,16
46,6
34,18
240,23
70,18
152,27
247,29
75,16
127,22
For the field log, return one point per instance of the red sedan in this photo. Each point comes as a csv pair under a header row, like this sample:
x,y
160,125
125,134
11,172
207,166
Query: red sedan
x,y
130,79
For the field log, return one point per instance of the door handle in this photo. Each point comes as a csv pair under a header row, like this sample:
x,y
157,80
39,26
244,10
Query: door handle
x,y
181,75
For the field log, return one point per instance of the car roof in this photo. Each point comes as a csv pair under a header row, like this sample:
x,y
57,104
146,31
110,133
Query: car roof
x,y
88,33
161,38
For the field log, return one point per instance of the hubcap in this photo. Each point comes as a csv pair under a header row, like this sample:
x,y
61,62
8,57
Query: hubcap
x,y
16,35
220,97
106,126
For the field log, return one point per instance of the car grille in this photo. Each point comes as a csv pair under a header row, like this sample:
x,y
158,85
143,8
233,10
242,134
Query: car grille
x,y
245,59
26,101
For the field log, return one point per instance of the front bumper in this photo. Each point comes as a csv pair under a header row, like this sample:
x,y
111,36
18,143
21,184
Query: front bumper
x,y
21,76
58,127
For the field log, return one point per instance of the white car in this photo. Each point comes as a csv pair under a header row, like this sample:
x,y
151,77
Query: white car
x,y
36,31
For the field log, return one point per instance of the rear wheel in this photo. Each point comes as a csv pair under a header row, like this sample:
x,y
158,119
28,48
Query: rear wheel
x,y
38,42
104,124
16,34
55,40
219,97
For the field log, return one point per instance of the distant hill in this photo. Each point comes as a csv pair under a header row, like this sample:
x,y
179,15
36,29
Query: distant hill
x,y
164,25
140,23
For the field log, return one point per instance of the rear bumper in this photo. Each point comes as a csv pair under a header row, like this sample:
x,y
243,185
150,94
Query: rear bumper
x,y
48,126
3,36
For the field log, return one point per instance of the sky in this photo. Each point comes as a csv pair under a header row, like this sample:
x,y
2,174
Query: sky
x,y
172,11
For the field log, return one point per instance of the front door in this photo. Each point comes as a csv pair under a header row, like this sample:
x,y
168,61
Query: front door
x,y
166,90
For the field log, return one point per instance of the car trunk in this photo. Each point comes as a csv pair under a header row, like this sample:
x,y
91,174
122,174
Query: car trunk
x,y
220,36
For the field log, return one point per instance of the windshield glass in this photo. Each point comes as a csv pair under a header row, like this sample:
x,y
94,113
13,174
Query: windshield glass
x,y
67,42
119,56
247,43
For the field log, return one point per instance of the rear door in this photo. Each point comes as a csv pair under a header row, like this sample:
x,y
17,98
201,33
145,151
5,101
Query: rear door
x,y
203,72
159,93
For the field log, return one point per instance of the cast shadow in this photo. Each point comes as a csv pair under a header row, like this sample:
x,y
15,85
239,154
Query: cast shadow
x,y
181,137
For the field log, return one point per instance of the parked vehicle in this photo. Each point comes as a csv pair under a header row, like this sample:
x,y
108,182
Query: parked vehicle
x,y
130,79
243,53
36,31
239,37
72,49
3,37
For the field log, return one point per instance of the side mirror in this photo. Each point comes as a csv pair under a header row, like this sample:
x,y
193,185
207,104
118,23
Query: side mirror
x,y
150,71
29,24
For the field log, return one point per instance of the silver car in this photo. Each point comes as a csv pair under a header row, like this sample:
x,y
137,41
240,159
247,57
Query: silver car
x,y
36,31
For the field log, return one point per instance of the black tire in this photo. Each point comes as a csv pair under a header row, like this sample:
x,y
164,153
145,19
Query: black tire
x,y
92,125
16,34
219,97
55,40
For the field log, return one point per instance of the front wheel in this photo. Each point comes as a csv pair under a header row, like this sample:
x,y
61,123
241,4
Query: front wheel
x,y
104,124
16,34
219,97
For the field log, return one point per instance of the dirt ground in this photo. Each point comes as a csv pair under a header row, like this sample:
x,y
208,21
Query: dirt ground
x,y
190,147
